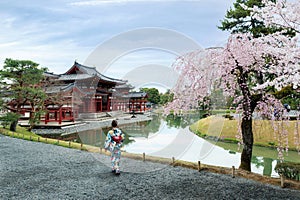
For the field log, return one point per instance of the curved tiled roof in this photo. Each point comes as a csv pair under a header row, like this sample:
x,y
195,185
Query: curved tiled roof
x,y
59,88
136,95
51,74
88,72
74,77
125,86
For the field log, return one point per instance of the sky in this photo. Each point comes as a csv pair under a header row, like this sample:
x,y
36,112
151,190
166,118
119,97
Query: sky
x,y
58,32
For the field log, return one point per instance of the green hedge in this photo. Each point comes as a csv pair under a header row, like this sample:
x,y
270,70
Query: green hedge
x,y
289,169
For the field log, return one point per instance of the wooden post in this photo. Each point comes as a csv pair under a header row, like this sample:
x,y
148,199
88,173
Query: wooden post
x,y
144,157
282,180
173,161
81,145
46,140
38,139
233,172
100,150
199,166
69,143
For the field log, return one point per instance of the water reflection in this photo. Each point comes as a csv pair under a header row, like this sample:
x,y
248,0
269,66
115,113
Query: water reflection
x,y
181,121
96,137
170,137
263,159
267,165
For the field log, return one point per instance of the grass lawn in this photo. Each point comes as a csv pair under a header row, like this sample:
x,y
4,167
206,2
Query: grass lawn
x,y
20,131
23,133
263,132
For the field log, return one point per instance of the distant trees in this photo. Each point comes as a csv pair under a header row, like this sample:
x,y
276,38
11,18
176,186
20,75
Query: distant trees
x,y
153,94
166,97
158,98
289,96
19,85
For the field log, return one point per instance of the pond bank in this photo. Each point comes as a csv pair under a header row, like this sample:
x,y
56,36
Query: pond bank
x,y
91,124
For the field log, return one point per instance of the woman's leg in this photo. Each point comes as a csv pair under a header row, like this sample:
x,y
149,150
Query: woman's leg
x,y
116,159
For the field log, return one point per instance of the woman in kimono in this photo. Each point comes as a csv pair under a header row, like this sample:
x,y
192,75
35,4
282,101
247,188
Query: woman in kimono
x,y
113,143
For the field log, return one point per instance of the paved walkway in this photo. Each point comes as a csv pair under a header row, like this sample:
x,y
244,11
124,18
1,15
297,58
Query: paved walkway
x,y
32,170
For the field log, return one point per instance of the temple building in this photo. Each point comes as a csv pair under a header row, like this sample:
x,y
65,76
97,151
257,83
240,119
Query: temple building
x,y
84,92
133,102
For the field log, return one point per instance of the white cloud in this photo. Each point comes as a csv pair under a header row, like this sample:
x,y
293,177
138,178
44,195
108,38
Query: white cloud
x,y
9,44
57,56
103,2
55,33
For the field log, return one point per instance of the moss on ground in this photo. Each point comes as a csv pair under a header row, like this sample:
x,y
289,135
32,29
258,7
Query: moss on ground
x,y
264,134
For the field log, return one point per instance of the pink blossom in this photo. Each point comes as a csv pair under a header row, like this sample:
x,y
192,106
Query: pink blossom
x,y
280,13
246,67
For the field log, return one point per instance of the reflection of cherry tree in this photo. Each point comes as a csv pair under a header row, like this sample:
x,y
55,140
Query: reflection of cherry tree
x,y
181,121
250,69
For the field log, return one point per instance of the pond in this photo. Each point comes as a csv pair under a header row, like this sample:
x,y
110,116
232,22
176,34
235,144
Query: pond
x,y
170,137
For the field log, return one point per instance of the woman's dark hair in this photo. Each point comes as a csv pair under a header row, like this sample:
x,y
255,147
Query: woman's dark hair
x,y
114,123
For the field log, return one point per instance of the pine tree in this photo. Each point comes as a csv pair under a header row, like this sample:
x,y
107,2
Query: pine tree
x,y
19,81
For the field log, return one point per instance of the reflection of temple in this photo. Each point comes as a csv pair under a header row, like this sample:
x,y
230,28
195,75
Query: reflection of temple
x,y
83,91
142,129
138,129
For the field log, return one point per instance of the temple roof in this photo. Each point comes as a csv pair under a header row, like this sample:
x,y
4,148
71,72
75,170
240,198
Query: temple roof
x,y
136,95
79,72
124,86
55,89
59,88
51,74
75,77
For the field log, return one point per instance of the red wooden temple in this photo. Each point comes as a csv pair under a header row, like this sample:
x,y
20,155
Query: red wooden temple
x,y
83,91
129,101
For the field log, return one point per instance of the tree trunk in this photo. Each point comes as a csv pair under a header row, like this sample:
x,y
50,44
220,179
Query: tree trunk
x,y
248,143
13,126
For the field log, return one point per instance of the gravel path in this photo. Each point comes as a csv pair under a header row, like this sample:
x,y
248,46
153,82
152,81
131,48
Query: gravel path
x,y
32,170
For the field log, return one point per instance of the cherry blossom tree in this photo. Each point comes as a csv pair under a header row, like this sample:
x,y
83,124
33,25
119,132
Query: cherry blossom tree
x,y
285,14
250,69
196,79
281,13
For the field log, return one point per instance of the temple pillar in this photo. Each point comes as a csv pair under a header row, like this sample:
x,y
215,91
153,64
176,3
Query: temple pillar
x,y
140,106
60,115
